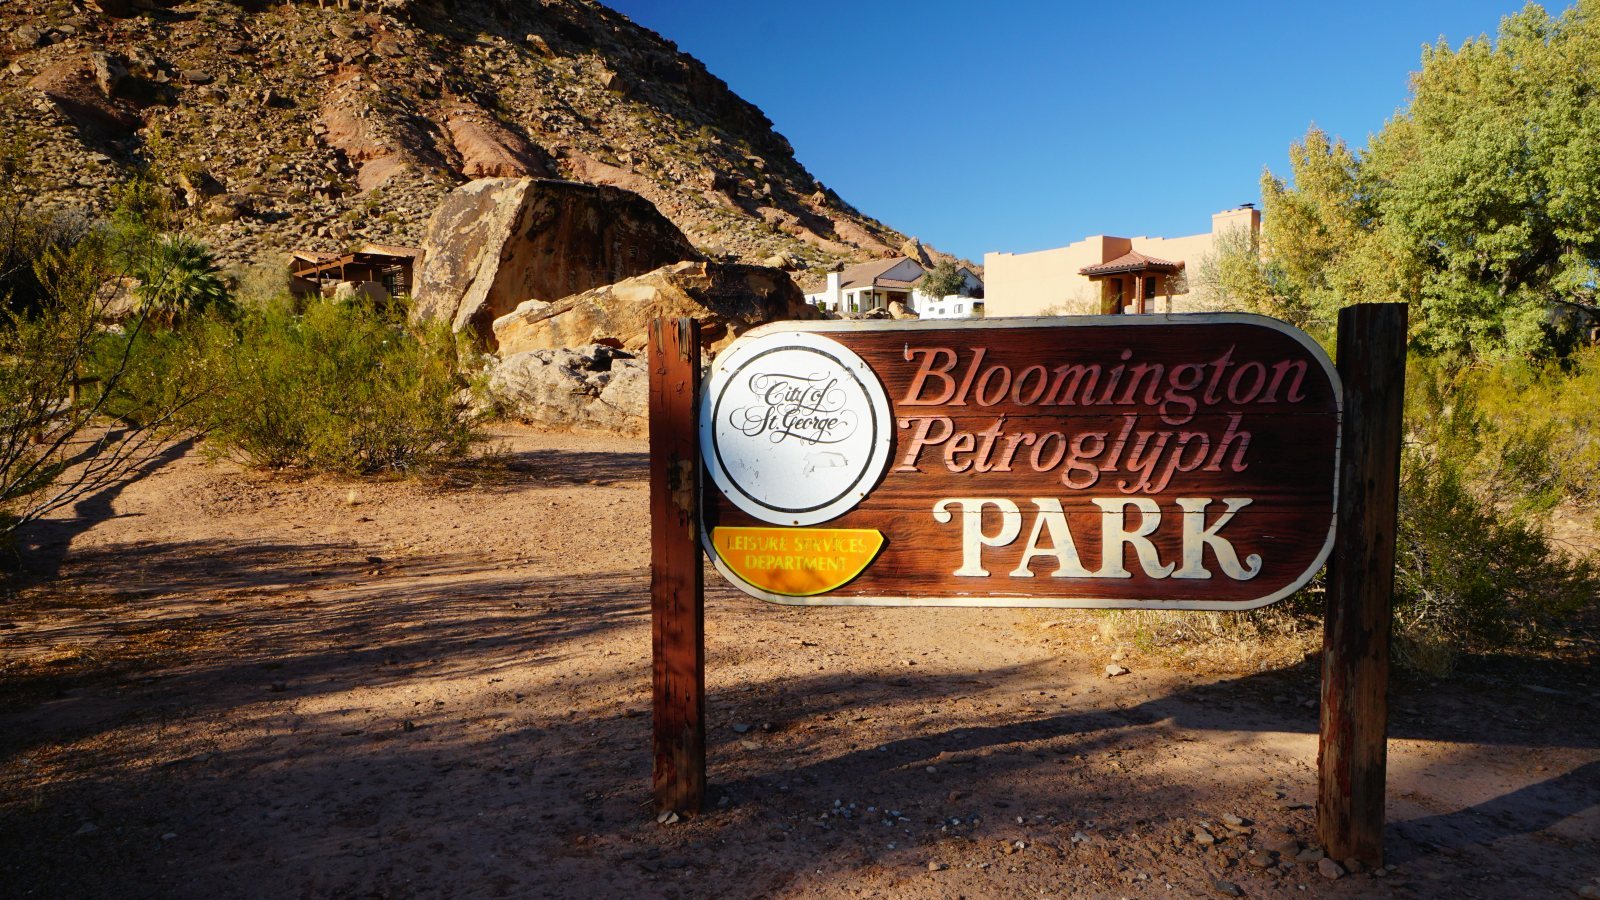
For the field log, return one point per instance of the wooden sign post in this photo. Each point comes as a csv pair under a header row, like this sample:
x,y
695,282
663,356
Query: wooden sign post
x,y
1165,462
677,590
1353,740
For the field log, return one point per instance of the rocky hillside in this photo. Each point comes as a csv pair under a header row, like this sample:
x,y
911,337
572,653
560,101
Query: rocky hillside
x,y
297,125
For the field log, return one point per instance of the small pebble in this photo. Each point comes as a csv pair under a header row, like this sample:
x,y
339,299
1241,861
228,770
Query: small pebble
x,y
1329,869
1286,847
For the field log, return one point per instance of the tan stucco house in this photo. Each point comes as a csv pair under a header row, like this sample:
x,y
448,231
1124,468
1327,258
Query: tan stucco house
x,y
1105,274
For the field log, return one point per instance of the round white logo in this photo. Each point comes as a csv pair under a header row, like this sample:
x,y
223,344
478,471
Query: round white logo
x,y
794,427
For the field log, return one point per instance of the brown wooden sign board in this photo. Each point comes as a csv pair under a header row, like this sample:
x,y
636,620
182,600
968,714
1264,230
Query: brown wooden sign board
x,y
1185,462
1180,462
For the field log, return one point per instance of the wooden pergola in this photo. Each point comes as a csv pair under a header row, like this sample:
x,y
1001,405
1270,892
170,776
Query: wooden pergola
x,y
392,267
1132,281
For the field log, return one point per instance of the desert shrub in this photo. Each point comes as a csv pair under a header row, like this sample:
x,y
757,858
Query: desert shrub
x,y
342,387
1271,637
1475,567
1547,424
78,409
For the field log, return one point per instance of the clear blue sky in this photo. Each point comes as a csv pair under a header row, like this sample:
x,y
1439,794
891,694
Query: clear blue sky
x,y
1023,125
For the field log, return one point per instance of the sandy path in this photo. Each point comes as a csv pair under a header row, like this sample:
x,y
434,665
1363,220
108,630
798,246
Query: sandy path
x,y
442,691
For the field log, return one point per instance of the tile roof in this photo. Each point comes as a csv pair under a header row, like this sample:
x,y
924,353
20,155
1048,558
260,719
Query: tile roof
x,y
868,273
1132,261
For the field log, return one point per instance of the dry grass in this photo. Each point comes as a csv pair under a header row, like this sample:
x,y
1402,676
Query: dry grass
x,y
1213,642
1220,642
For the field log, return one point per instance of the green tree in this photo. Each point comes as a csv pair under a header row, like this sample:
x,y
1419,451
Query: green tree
x,y
1479,203
944,279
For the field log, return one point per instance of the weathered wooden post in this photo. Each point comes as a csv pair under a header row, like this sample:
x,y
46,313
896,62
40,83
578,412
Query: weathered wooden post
x,y
677,596
1352,748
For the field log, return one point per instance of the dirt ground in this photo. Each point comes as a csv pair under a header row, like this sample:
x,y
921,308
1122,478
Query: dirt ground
x,y
224,684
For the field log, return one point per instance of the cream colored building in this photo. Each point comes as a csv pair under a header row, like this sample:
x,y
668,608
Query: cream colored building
x,y
1105,274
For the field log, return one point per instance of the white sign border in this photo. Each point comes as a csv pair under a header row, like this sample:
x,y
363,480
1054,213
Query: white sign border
x,y
1004,601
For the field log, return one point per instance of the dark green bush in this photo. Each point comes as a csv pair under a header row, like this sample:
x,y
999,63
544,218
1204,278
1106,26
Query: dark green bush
x,y
340,387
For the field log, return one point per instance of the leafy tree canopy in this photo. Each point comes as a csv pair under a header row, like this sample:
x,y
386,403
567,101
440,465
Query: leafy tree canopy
x,y
1478,203
944,279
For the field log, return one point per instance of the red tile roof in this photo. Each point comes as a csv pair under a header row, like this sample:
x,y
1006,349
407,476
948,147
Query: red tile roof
x,y
1133,261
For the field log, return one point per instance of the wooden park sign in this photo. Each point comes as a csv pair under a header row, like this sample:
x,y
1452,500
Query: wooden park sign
x,y
1106,461
1204,461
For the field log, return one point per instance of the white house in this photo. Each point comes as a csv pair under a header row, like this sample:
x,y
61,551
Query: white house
x,y
874,285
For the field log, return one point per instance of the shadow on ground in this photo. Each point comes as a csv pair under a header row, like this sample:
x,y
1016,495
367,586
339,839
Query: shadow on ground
x,y
347,729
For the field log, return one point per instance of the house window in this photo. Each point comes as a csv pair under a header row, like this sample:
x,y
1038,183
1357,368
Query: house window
x,y
1150,287
958,309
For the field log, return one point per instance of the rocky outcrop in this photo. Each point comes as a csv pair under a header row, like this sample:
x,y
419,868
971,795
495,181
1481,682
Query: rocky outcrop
x,y
488,149
597,388
913,249
378,143
117,299
728,299
497,242
74,85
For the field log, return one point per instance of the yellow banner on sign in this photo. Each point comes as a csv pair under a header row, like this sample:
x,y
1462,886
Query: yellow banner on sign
x,y
797,562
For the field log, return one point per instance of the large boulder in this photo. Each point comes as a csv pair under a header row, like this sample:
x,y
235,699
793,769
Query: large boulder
x,y
597,388
496,242
728,299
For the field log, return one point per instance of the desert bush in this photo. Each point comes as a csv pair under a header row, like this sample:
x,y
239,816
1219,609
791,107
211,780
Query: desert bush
x,y
342,387
1475,567
1546,425
77,409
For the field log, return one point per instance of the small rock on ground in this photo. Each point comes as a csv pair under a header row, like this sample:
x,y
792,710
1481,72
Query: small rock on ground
x,y
1329,869
1309,855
